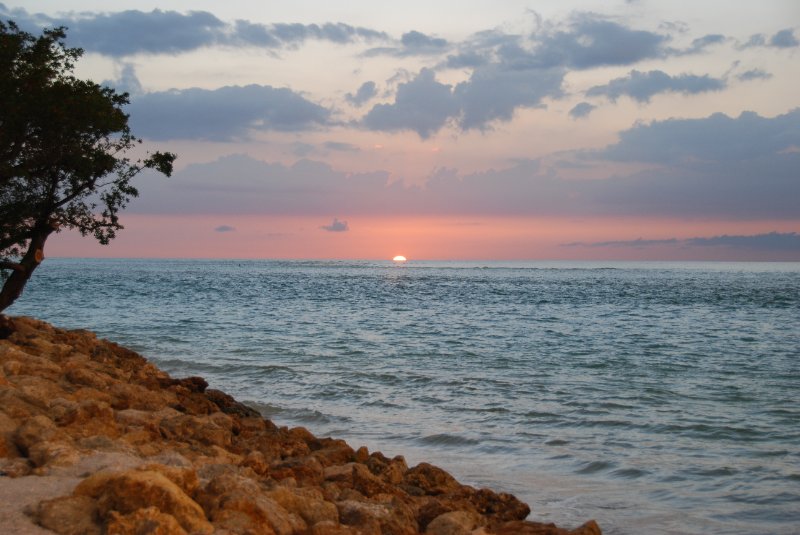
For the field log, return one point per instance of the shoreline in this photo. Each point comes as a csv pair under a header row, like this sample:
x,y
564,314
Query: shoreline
x,y
96,439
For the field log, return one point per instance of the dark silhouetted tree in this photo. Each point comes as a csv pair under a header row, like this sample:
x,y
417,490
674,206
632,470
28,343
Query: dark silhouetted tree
x,y
64,146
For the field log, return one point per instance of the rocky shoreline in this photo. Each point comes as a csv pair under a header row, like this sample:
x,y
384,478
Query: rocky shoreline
x,y
94,439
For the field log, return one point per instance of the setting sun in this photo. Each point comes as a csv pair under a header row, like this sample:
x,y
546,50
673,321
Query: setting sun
x,y
399,258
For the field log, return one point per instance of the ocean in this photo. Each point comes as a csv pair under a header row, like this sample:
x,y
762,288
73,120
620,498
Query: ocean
x,y
652,397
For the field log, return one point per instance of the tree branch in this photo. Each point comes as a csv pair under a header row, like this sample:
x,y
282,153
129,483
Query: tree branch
x,y
12,265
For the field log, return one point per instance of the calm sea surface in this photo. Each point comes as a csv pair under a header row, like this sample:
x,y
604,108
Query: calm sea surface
x,y
652,397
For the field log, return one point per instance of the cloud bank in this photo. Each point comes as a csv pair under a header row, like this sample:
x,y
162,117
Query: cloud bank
x,y
130,32
229,113
771,242
723,167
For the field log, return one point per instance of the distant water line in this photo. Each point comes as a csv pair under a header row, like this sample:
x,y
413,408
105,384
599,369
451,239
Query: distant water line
x,y
649,396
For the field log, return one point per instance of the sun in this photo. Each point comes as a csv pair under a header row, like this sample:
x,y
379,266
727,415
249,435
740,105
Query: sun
x,y
399,258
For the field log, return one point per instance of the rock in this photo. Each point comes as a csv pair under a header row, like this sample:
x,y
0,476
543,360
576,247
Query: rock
x,y
148,520
260,513
367,517
153,454
455,523
430,479
535,528
310,506
68,515
305,470
125,492
184,477
500,506
358,477
57,453
15,467
329,528
34,430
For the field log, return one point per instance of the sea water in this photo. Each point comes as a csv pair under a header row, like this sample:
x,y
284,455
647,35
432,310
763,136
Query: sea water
x,y
652,397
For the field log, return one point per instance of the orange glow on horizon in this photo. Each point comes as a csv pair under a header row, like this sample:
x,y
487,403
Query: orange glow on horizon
x,y
430,238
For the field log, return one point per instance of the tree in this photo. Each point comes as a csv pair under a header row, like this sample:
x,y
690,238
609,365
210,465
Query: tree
x,y
64,145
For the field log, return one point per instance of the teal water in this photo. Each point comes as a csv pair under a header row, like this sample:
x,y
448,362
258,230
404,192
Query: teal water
x,y
650,396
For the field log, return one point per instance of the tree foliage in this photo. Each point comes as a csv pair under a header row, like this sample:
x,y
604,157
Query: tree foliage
x,y
64,152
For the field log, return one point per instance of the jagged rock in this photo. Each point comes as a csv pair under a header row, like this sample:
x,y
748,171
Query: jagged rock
x,y
197,461
184,477
261,513
501,506
535,528
305,470
125,492
455,523
68,515
34,430
430,479
367,517
148,520
310,505
58,453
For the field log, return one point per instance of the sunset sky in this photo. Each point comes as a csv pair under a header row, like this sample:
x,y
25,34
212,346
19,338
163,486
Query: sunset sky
x,y
550,129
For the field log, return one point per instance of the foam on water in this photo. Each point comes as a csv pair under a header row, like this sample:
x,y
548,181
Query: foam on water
x,y
658,397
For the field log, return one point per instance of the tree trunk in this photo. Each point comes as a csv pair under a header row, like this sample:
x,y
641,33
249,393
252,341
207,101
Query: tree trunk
x,y
13,286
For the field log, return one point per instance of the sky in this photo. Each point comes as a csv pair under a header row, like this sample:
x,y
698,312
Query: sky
x,y
470,130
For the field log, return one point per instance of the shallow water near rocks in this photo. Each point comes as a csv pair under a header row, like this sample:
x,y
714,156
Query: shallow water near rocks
x,y
649,396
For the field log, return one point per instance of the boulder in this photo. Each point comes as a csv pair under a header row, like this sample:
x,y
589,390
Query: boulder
x,y
125,492
149,520
455,523
68,515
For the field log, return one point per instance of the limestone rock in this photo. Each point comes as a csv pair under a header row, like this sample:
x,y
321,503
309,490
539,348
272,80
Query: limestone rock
x,y
125,492
431,479
454,523
68,515
185,458
310,506
148,520
34,430
536,528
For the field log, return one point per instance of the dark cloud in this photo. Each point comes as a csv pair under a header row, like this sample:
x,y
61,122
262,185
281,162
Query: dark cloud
x,y
773,242
582,109
638,243
226,114
754,74
238,184
415,40
782,39
341,147
301,149
492,93
642,86
365,93
133,32
412,43
593,41
422,105
465,60
716,167
130,32
295,33
224,228
336,226
718,138
700,44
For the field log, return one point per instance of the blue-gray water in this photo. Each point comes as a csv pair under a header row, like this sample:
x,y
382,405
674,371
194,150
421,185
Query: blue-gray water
x,y
652,397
